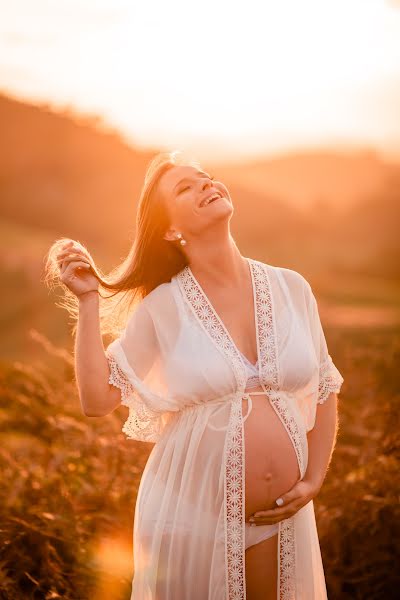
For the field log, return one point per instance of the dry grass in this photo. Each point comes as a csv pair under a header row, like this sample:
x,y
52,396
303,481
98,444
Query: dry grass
x,y
68,493
70,483
357,510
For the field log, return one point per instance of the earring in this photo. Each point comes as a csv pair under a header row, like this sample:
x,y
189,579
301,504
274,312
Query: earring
x,y
181,240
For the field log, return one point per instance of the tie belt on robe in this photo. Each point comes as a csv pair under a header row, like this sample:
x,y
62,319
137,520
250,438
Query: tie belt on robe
x,y
225,399
273,394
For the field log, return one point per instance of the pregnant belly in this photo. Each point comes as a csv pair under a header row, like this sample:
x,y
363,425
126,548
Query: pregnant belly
x,y
271,466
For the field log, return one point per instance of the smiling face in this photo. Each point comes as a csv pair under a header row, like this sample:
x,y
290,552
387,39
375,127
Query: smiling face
x,y
193,201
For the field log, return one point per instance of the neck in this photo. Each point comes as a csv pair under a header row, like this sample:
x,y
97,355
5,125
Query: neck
x,y
216,258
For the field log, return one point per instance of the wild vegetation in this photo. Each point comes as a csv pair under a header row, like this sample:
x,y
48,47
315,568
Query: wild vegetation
x,y
69,482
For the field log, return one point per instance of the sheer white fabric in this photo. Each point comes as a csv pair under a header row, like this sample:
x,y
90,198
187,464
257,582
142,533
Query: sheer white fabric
x,y
183,380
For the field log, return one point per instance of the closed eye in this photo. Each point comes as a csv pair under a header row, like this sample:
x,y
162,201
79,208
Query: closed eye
x,y
184,189
188,186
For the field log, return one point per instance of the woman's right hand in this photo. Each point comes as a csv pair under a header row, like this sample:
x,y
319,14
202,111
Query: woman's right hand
x,y
76,271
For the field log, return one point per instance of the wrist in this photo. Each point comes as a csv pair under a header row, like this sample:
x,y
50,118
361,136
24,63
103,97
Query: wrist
x,y
89,296
315,483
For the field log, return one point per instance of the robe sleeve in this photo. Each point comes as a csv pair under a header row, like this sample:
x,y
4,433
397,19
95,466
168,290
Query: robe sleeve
x,y
329,378
134,364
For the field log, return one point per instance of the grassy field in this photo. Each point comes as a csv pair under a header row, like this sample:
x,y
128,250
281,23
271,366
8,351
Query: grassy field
x,y
70,482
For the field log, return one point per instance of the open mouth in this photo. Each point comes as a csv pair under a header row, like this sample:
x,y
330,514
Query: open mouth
x,y
210,199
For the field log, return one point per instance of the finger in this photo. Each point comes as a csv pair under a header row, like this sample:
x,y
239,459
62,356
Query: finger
x,y
272,516
278,513
72,251
295,492
275,512
67,244
271,512
81,263
258,521
65,261
71,247
291,495
262,522
73,257
73,266
68,270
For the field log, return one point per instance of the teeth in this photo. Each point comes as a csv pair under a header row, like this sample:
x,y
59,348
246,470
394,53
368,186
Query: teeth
x,y
205,202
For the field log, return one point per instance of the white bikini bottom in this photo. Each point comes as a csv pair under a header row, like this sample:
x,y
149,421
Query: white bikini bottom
x,y
259,533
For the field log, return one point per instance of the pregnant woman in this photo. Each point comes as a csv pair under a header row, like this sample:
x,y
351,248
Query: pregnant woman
x,y
223,365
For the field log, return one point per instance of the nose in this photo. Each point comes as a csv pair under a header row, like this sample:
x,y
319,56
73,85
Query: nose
x,y
206,184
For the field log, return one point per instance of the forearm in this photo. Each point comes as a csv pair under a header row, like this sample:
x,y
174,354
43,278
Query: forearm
x,y
91,365
322,440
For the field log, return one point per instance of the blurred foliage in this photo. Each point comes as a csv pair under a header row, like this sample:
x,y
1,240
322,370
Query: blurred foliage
x,y
70,482
358,510
331,215
68,490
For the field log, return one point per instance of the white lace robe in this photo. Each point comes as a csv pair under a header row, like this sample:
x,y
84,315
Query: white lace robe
x,y
183,380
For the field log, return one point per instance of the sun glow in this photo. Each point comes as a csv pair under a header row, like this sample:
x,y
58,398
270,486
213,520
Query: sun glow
x,y
265,75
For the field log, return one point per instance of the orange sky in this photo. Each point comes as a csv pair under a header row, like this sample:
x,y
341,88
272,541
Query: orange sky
x,y
217,76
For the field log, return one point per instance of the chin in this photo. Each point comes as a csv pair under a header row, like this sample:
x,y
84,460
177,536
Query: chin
x,y
223,213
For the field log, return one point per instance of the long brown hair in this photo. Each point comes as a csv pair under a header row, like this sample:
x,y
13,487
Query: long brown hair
x,y
151,260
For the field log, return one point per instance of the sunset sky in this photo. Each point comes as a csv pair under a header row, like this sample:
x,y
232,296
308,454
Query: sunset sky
x,y
215,76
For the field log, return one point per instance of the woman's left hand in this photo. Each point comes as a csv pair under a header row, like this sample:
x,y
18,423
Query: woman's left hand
x,y
301,493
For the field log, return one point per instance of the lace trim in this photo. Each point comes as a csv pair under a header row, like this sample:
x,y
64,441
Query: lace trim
x,y
235,505
265,326
252,381
330,380
234,452
269,361
143,424
268,368
270,373
209,319
287,566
